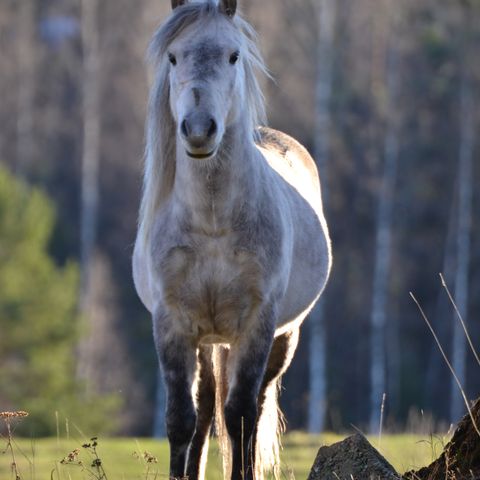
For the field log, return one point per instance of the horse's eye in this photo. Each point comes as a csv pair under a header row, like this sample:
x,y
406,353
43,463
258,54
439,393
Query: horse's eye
x,y
172,59
233,58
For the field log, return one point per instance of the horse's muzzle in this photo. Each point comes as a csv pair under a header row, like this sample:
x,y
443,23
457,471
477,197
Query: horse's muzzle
x,y
198,131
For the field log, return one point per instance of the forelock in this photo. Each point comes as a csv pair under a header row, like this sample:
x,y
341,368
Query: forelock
x,y
179,20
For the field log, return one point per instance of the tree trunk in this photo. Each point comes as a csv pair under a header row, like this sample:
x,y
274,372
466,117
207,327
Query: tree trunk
x,y
26,85
159,428
91,134
383,248
90,166
434,387
465,197
326,29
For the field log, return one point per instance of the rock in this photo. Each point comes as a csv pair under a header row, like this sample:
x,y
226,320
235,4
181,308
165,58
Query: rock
x,y
460,459
352,458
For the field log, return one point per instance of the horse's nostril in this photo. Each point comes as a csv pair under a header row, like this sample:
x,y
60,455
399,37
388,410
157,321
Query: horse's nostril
x,y
198,128
212,128
184,128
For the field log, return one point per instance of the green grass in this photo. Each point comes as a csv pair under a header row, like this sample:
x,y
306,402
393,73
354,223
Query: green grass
x,y
37,459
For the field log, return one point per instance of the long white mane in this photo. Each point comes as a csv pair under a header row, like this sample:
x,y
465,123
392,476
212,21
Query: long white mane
x,y
159,171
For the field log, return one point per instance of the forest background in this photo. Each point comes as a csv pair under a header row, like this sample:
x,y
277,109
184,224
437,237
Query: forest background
x,y
384,93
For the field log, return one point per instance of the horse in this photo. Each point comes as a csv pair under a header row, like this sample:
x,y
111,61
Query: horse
x,y
232,248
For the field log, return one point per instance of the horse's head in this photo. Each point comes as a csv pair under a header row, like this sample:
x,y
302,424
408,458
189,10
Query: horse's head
x,y
205,59
206,75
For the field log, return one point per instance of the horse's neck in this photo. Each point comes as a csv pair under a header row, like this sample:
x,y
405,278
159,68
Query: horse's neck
x,y
210,190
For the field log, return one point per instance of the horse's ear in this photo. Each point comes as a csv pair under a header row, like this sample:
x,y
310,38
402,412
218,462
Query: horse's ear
x,y
177,3
228,7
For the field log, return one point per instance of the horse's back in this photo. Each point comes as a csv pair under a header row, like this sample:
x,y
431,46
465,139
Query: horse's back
x,y
292,161
284,144
311,259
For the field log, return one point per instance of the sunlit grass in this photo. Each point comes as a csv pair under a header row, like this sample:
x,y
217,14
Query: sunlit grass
x,y
37,459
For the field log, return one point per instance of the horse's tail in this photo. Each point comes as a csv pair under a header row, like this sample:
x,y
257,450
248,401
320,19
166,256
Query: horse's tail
x,y
220,354
270,426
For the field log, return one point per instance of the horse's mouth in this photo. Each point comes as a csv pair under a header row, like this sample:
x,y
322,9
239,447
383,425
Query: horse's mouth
x,y
200,156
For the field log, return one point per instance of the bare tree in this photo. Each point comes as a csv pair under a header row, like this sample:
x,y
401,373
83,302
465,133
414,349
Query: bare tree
x,y
463,240
26,84
326,11
91,134
90,166
383,243
159,427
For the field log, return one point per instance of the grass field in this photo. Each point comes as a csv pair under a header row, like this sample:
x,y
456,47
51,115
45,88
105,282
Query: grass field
x,y
40,459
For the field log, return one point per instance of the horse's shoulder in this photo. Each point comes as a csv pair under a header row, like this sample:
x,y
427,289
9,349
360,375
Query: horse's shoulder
x,y
286,147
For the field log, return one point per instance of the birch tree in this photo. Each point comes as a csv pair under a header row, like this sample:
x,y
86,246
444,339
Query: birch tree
x,y
26,84
91,133
383,244
464,216
90,164
326,12
159,427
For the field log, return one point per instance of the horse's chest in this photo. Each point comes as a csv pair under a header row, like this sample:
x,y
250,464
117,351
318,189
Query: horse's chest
x,y
213,288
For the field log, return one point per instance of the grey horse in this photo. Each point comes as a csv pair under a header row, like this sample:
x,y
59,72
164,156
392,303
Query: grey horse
x,y
232,248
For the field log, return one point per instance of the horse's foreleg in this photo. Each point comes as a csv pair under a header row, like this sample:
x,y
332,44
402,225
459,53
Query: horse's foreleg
x,y
205,408
177,358
246,367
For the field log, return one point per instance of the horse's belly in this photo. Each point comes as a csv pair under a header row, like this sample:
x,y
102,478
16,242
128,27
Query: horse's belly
x,y
213,295
311,265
